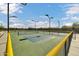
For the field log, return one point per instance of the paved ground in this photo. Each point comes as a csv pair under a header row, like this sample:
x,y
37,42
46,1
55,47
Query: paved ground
x,y
74,48
34,44
3,37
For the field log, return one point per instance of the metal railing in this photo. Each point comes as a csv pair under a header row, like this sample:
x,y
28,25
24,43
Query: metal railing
x,y
9,49
63,47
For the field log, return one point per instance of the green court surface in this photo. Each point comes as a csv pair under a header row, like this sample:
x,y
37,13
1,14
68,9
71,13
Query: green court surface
x,y
31,43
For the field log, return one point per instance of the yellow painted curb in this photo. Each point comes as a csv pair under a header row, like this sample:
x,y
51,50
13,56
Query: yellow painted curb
x,y
55,50
9,50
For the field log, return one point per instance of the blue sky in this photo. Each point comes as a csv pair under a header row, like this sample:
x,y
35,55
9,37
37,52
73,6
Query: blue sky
x,y
65,13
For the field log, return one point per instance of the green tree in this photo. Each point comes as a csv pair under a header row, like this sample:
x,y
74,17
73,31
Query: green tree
x,y
76,25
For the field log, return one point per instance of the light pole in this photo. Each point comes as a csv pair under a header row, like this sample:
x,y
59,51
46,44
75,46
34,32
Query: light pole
x,y
7,28
73,28
58,25
12,16
35,24
8,17
49,22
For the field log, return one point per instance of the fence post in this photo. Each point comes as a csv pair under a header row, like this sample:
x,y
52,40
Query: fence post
x,y
69,42
65,48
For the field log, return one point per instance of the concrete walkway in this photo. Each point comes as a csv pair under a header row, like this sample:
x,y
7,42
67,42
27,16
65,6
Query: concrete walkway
x,y
3,37
74,48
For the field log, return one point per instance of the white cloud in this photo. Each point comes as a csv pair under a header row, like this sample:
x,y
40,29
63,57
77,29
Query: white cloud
x,y
75,18
73,9
0,21
65,18
17,25
68,24
71,18
38,24
70,14
13,8
41,24
14,20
